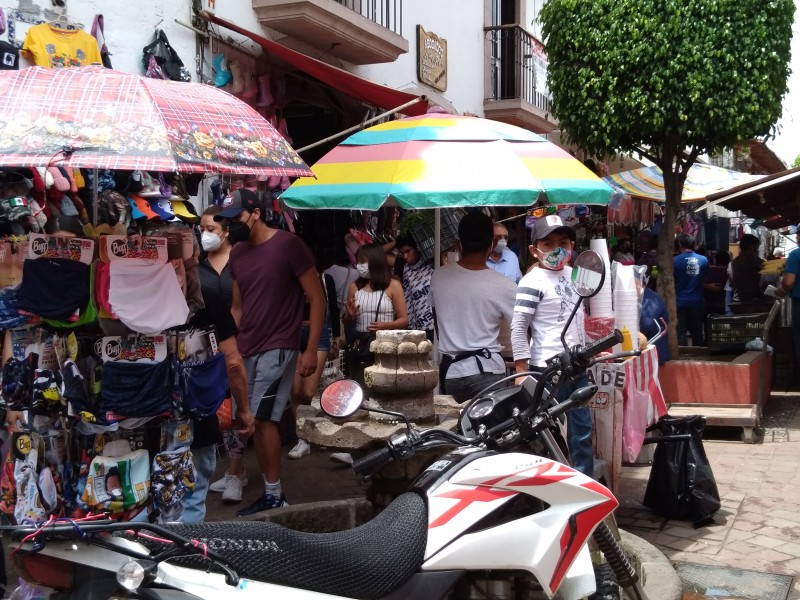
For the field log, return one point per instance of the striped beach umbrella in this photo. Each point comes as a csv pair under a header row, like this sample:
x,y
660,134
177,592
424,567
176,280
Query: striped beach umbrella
x,y
647,183
446,161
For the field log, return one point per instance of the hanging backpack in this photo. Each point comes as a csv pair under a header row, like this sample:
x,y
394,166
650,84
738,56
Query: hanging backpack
x,y
159,59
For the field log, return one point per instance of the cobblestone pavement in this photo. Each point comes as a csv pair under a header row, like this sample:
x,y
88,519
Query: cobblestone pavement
x,y
758,526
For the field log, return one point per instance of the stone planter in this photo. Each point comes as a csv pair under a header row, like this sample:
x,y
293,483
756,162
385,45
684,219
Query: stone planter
x,y
704,378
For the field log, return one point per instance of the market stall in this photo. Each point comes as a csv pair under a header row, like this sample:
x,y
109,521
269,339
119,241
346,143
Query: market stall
x,y
105,375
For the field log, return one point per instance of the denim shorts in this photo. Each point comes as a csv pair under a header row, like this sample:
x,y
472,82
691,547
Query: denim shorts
x,y
269,382
324,337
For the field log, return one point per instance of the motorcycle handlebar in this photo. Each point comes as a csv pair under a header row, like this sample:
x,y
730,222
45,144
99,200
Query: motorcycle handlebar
x,y
374,462
609,341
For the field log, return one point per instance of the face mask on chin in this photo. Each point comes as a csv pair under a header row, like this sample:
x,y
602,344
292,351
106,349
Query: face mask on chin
x,y
555,259
363,270
210,241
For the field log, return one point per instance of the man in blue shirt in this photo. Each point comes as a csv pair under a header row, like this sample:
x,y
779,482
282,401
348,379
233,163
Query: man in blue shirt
x,y
503,260
690,271
791,286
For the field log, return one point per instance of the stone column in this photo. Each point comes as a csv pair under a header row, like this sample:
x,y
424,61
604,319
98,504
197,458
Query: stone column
x,y
402,378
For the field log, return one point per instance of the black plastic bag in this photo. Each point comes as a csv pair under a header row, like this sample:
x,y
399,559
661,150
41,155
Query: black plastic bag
x,y
159,57
681,483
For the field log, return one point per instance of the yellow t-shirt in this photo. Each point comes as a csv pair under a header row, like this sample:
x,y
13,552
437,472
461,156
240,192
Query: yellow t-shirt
x,y
50,46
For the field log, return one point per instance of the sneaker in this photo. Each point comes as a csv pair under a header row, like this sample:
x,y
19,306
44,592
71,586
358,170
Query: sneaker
x,y
343,457
233,489
301,449
266,502
220,484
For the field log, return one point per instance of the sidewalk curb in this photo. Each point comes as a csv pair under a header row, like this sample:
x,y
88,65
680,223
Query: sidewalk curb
x,y
659,577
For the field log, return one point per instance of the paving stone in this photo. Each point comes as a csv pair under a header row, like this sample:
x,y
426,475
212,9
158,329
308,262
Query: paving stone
x,y
770,555
791,548
766,541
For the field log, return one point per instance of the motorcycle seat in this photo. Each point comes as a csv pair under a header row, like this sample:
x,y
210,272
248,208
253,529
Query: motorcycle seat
x,y
369,561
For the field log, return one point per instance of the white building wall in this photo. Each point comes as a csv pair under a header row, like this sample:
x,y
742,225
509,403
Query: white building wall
x,y
129,26
461,23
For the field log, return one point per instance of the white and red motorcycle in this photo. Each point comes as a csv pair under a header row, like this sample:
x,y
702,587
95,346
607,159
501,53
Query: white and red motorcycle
x,y
482,521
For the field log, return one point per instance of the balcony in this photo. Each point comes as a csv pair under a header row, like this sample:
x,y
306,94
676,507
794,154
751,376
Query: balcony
x,y
517,79
361,32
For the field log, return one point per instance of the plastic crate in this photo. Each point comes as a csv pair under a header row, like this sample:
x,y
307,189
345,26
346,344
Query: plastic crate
x,y
733,333
423,231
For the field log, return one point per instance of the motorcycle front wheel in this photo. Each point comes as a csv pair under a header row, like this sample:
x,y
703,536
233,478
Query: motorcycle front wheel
x,y
606,584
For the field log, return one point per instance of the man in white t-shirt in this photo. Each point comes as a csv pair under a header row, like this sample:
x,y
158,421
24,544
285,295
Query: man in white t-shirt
x,y
545,299
469,302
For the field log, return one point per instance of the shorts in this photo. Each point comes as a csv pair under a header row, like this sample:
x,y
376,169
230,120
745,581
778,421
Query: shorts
x,y
324,337
269,382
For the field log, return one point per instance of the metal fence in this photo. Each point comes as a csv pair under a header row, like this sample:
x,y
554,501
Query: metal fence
x,y
518,66
386,13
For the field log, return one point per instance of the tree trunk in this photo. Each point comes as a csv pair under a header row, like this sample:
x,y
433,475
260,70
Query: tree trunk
x,y
674,178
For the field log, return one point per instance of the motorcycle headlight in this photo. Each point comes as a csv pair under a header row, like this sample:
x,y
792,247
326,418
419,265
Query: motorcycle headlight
x,y
131,575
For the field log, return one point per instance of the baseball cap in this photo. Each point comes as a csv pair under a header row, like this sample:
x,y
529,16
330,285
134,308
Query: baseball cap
x,y
163,209
237,201
547,225
183,212
144,207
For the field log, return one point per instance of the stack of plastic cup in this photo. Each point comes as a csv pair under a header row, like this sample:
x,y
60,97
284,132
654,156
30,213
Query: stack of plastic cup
x,y
626,303
601,305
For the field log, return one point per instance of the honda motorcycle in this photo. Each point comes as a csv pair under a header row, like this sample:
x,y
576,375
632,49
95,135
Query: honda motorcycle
x,y
488,519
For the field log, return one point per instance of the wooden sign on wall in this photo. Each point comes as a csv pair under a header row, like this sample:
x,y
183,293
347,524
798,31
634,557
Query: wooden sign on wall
x,y
431,59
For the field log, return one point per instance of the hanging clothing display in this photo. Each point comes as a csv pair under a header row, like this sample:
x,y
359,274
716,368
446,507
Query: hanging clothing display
x,y
49,46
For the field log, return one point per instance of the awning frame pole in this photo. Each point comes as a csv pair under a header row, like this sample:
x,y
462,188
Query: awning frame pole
x,y
400,108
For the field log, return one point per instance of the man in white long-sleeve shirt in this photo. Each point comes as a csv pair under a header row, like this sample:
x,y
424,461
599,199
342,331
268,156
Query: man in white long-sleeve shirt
x,y
469,302
545,299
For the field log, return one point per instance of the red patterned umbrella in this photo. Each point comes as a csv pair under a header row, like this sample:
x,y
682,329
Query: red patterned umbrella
x,y
93,117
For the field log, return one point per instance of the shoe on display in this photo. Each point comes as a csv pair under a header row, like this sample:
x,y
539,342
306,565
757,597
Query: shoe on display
x,y
301,449
220,484
223,75
343,457
233,490
266,502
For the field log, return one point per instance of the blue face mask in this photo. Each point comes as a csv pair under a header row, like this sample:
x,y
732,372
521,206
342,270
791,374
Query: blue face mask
x,y
555,260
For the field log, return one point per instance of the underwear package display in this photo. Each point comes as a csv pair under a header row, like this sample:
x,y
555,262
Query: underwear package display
x,y
136,389
146,295
55,288
204,386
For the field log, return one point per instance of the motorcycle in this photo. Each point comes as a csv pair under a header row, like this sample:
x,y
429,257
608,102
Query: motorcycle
x,y
482,521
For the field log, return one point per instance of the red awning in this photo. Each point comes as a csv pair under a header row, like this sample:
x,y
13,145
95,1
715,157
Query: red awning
x,y
344,81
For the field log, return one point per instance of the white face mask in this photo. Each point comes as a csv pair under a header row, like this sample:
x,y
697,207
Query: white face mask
x,y
363,270
500,246
210,241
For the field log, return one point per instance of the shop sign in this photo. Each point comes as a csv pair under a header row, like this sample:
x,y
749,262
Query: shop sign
x,y
431,59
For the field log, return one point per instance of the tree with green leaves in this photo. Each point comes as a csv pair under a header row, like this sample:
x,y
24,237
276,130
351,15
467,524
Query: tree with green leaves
x,y
671,79
796,162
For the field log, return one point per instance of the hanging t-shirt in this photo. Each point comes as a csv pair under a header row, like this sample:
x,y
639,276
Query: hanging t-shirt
x,y
49,46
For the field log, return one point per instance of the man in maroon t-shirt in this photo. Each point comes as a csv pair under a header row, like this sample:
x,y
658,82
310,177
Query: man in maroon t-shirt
x,y
271,270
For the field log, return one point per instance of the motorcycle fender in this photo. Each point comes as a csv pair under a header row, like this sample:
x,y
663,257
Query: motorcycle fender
x,y
579,580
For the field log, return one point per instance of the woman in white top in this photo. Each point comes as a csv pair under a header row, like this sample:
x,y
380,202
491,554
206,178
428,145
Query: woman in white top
x,y
375,301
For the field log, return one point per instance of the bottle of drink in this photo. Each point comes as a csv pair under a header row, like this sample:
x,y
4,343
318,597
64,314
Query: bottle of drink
x,y
627,342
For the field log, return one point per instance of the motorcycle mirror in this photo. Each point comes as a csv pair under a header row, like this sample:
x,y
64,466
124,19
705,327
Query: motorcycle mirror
x,y
341,398
588,274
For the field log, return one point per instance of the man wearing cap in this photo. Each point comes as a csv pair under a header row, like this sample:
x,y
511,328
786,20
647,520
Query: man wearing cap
x,y
545,299
271,271
469,303
501,259
791,286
